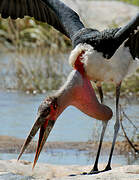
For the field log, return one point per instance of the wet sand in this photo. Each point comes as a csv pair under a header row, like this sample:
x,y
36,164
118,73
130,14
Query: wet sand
x,y
13,145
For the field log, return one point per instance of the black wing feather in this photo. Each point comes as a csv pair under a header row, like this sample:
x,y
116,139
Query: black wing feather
x,y
133,44
44,13
38,10
12,9
54,12
25,8
30,7
4,8
17,9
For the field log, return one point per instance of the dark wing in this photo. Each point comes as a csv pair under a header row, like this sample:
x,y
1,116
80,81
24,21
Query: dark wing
x,y
65,20
107,41
133,44
127,30
54,12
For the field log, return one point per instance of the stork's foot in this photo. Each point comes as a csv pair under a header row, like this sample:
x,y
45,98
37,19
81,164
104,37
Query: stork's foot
x,y
96,171
73,174
90,173
85,173
107,168
93,171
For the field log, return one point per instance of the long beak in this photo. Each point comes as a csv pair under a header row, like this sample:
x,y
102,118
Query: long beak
x,y
32,133
45,126
126,30
44,133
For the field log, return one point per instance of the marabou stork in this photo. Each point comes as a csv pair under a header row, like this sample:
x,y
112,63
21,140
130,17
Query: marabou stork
x,y
108,55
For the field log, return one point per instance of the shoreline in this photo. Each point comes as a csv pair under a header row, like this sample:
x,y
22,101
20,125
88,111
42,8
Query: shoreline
x,y
13,145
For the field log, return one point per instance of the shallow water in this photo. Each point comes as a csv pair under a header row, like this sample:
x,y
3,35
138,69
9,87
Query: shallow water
x,y
18,112
72,158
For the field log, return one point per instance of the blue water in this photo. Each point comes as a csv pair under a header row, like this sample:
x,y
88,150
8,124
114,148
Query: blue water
x,y
18,112
70,157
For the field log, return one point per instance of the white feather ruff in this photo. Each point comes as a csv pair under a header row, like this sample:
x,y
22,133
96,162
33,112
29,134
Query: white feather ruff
x,y
100,69
76,52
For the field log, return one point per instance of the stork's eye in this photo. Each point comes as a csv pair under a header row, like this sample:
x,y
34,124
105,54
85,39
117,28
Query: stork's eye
x,y
45,111
48,110
55,104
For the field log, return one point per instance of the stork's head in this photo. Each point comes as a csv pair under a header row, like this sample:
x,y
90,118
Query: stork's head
x,y
76,91
46,117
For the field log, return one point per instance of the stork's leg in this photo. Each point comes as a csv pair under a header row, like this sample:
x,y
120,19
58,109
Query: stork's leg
x,y
100,93
116,127
104,124
95,168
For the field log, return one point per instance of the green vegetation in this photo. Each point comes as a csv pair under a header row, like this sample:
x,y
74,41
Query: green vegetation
x,y
33,73
134,2
130,86
37,51
28,33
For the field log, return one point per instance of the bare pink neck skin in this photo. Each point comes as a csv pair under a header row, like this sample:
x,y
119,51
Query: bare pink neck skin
x,y
78,91
88,103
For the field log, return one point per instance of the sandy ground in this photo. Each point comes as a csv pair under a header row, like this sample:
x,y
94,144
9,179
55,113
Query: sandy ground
x,y
13,170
